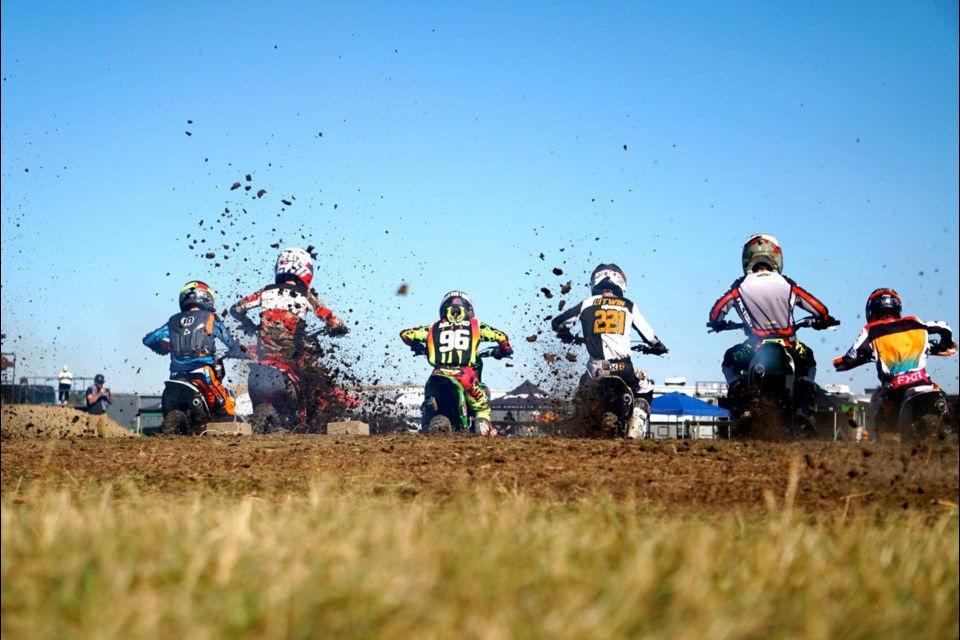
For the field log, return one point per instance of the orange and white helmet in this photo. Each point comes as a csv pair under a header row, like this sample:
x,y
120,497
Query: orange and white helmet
x,y
297,263
762,248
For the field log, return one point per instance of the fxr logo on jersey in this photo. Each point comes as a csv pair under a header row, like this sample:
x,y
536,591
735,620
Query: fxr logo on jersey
x,y
911,377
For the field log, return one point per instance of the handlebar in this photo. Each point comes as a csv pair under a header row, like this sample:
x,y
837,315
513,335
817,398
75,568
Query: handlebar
x,y
639,348
809,321
420,349
493,352
937,348
649,350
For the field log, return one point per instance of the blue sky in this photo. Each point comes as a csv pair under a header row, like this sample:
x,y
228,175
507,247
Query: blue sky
x,y
470,146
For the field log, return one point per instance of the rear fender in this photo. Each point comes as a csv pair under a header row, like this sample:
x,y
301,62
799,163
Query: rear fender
x,y
448,399
183,395
619,395
610,393
921,400
772,362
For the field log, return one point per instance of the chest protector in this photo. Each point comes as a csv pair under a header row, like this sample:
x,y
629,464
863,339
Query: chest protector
x,y
191,334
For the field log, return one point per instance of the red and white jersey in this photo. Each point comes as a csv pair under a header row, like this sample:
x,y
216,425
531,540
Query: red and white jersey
x,y
765,301
284,309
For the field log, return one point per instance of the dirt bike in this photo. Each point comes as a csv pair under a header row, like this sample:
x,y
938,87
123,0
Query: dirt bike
x,y
921,407
766,406
603,406
444,408
185,407
289,399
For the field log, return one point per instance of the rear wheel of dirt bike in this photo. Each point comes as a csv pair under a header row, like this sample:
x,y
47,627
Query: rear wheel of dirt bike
x,y
768,420
440,424
926,429
174,423
804,428
264,420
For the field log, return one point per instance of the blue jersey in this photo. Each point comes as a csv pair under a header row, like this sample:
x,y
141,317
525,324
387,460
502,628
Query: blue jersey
x,y
190,339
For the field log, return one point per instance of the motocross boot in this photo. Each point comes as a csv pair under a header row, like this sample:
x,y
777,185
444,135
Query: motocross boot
x,y
804,394
638,422
484,428
220,408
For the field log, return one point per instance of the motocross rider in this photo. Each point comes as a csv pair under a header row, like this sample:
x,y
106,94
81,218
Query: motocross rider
x,y
284,307
765,300
605,319
900,347
190,339
450,345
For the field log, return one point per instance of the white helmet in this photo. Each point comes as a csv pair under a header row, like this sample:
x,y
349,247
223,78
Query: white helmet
x,y
297,263
608,276
762,248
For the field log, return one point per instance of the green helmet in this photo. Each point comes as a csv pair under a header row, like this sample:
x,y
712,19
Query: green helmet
x,y
761,248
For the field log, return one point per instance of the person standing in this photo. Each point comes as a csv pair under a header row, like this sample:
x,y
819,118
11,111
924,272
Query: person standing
x,y
98,398
66,382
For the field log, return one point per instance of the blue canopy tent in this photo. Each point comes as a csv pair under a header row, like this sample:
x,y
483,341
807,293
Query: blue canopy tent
x,y
683,416
680,404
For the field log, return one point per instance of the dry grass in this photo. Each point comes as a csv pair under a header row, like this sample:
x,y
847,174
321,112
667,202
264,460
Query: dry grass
x,y
351,562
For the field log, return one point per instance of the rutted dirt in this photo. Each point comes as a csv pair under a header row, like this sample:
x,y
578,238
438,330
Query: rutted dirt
x,y
676,476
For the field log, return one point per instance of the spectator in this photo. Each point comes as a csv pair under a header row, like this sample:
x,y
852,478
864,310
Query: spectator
x,y
508,426
98,397
66,382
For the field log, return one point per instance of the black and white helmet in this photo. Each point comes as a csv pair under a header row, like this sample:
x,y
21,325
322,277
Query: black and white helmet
x,y
608,277
456,306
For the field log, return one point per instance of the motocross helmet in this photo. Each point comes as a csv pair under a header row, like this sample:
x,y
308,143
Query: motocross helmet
x,y
761,248
294,263
196,293
99,379
883,303
608,276
456,306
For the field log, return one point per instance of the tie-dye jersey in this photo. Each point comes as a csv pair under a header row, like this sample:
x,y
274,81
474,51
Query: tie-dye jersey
x,y
899,345
454,344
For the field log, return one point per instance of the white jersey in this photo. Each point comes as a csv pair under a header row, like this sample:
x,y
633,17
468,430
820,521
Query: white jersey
x,y
606,323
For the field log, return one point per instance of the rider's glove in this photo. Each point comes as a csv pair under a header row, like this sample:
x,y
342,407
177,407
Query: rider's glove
x,y
500,353
657,349
418,348
824,323
939,348
716,325
565,335
339,329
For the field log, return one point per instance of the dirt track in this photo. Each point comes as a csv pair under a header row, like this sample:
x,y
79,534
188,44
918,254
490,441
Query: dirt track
x,y
674,475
